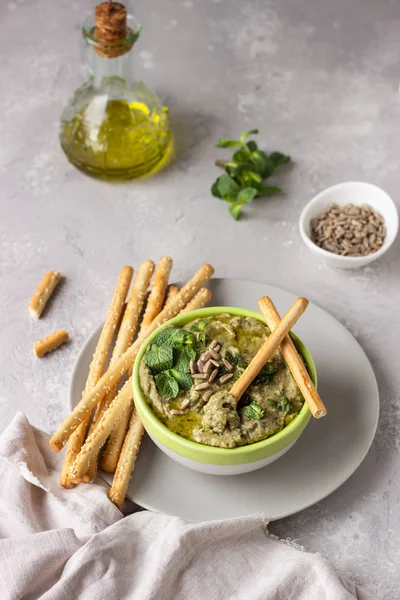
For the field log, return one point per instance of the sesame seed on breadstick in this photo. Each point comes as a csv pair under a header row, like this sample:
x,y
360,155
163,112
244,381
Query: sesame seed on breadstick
x,y
113,374
97,366
45,289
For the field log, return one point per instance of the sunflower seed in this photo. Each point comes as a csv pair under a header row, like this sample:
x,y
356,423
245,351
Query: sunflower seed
x,y
214,343
200,365
214,362
226,378
199,376
193,368
227,364
202,386
208,367
175,411
213,375
185,403
207,395
214,354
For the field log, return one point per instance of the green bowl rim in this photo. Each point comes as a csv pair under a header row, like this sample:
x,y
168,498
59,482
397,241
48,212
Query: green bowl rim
x,y
204,452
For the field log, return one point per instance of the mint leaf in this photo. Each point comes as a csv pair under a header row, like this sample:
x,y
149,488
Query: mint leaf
x,y
240,155
227,143
184,379
164,336
215,190
236,360
253,411
282,404
262,163
268,191
265,375
277,159
175,337
167,385
252,146
199,328
183,358
236,210
159,358
247,194
246,135
227,186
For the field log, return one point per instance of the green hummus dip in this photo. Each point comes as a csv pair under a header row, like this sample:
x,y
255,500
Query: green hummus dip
x,y
184,399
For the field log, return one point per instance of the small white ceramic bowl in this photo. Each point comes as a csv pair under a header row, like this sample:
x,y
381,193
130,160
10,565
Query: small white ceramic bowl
x,y
350,192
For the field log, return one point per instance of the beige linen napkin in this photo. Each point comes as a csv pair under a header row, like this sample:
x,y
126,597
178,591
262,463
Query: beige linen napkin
x,y
61,544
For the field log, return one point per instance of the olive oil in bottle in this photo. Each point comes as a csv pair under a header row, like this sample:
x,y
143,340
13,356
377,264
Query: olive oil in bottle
x,y
114,128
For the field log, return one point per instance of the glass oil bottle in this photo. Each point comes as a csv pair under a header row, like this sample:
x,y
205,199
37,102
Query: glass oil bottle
x,y
113,127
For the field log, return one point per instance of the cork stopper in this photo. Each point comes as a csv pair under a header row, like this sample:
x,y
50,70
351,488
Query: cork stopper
x,y
111,29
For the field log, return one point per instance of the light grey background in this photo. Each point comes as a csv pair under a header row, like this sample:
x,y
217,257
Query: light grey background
x,y
320,80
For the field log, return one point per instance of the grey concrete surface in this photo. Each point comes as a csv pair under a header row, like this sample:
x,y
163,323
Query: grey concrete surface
x,y
320,79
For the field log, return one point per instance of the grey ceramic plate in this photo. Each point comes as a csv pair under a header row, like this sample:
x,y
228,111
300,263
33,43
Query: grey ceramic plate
x,y
327,453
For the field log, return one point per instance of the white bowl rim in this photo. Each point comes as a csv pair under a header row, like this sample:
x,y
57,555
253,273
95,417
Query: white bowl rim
x,y
350,259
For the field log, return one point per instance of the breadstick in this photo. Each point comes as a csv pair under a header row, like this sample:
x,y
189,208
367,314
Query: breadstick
x,y
111,453
50,343
113,374
199,301
294,361
128,328
268,348
124,340
44,291
96,440
157,294
155,300
172,292
127,460
97,366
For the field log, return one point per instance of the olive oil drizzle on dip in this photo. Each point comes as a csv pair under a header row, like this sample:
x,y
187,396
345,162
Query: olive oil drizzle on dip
x,y
211,416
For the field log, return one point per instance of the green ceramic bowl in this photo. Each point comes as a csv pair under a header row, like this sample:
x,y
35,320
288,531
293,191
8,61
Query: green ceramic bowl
x,y
208,459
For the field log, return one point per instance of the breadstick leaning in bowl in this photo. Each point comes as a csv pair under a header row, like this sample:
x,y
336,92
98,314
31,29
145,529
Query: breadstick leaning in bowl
x,y
293,361
268,348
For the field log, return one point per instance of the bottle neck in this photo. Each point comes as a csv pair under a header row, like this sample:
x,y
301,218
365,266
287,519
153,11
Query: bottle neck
x,y
107,72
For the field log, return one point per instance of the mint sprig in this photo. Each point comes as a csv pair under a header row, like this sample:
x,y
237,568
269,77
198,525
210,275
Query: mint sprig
x,y
245,173
169,360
